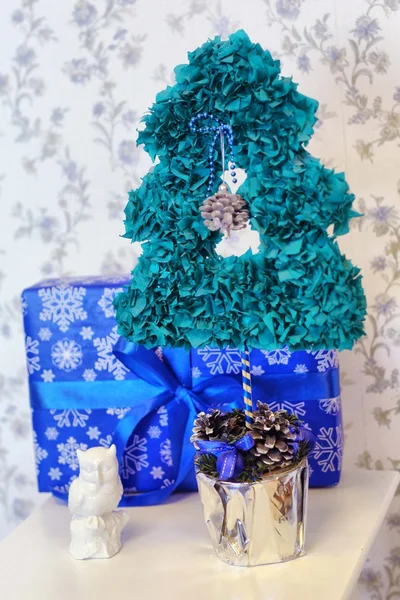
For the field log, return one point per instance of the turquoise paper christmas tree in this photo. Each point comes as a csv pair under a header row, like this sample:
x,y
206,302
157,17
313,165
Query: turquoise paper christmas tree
x,y
299,289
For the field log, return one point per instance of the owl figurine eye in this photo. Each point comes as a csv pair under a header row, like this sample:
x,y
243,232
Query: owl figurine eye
x,y
98,465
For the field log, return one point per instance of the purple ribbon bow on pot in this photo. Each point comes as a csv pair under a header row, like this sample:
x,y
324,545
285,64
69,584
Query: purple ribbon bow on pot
x,y
230,462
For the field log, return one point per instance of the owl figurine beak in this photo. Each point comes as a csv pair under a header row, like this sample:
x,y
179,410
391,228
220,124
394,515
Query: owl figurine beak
x,y
99,476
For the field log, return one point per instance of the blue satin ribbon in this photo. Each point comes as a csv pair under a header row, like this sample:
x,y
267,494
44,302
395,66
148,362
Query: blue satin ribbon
x,y
159,386
230,461
298,387
62,395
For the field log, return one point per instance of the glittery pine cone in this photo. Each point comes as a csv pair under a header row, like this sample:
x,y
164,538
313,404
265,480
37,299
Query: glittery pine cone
x,y
224,211
226,427
207,426
276,436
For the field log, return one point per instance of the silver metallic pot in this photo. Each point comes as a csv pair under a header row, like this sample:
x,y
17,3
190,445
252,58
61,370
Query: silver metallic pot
x,y
257,523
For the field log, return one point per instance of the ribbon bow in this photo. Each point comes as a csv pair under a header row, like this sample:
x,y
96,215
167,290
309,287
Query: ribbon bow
x,y
160,385
230,461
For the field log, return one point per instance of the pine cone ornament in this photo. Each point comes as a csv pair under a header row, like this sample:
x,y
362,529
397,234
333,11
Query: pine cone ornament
x,y
234,426
208,426
226,427
276,436
224,211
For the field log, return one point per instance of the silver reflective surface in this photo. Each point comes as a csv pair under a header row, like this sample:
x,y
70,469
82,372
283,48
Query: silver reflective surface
x,y
257,523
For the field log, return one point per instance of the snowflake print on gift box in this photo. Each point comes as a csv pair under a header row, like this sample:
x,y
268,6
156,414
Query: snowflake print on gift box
x,y
71,417
40,453
300,369
166,453
93,433
162,411
47,376
220,361
325,359
44,334
167,483
330,405
51,433
89,375
32,355
117,412
157,472
154,432
106,359
54,474
86,333
257,370
24,306
135,457
297,408
66,355
106,442
329,449
62,304
106,301
64,489
67,453
196,373
277,357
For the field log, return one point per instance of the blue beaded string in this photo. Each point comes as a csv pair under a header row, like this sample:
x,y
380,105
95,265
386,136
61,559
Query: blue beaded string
x,y
219,130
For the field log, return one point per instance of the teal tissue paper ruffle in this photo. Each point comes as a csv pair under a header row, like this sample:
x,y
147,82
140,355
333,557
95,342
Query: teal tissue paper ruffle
x,y
299,290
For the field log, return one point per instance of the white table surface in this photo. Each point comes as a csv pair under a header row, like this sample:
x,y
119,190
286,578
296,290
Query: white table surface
x,y
167,554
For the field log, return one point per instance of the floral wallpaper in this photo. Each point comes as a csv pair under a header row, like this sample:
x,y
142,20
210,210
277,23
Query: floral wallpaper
x,y
75,78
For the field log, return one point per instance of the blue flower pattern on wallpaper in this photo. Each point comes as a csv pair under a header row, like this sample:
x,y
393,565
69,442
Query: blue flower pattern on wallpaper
x,y
74,82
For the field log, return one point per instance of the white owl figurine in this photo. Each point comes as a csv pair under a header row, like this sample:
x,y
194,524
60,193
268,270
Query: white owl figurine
x,y
93,497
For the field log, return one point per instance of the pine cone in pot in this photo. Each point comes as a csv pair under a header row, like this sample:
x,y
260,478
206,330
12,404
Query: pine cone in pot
x,y
225,427
234,426
208,426
276,435
224,211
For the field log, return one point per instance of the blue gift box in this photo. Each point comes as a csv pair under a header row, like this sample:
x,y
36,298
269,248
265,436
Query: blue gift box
x,y
82,395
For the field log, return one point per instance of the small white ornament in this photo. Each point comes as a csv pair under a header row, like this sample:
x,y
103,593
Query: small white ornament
x,y
93,497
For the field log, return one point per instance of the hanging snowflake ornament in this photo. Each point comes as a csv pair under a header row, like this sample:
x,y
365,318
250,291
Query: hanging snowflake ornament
x,y
222,211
